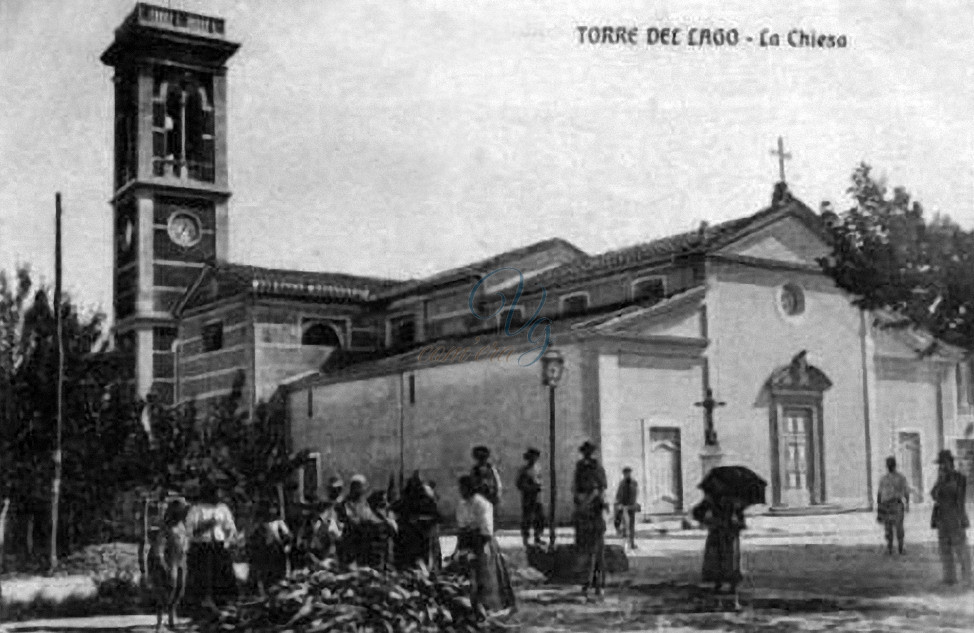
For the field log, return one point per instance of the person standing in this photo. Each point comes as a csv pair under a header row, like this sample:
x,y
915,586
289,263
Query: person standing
x,y
269,548
950,519
627,506
892,502
490,582
211,530
355,508
329,525
419,518
588,488
485,476
724,519
379,532
529,484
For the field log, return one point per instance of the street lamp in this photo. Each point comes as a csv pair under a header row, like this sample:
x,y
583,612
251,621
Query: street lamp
x,y
552,367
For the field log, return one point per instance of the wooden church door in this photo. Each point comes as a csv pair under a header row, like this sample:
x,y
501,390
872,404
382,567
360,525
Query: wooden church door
x,y
910,463
796,457
662,465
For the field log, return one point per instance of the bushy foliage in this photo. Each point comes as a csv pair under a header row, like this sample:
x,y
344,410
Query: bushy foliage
x,y
96,422
891,257
244,457
106,450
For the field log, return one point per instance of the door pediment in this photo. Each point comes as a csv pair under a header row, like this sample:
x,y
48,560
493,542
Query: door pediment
x,y
798,376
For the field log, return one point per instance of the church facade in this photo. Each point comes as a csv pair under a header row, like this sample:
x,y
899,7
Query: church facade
x,y
385,377
814,393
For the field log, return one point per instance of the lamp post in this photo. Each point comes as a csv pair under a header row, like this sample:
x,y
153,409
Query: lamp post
x,y
552,366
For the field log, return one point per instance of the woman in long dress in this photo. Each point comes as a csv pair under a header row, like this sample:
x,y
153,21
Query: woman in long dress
x,y
491,583
211,530
419,519
724,519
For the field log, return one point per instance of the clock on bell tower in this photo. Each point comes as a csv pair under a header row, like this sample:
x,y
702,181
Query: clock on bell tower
x,y
170,187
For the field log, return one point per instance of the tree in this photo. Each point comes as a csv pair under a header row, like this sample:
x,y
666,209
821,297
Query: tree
x,y
890,257
28,373
246,458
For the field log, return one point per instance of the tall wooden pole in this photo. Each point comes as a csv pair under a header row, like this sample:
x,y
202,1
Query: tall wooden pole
x,y
58,327
551,468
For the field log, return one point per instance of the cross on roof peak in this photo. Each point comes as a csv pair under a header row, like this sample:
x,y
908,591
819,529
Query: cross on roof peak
x,y
782,157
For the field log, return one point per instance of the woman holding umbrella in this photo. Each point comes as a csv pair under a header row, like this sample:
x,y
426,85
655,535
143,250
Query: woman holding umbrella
x,y
728,491
724,519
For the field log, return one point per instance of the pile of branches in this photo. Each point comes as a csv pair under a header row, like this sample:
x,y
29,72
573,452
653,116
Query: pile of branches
x,y
359,600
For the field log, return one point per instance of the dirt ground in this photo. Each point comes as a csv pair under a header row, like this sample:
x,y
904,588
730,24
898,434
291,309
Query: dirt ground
x,y
802,575
823,587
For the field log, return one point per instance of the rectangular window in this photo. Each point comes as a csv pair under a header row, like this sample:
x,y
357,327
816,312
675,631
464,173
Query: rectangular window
x,y
311,403
365,340
213,336
402,330
412,390
485,316
158,114
649,290
965,384
517,318
310,476
163,338
574,304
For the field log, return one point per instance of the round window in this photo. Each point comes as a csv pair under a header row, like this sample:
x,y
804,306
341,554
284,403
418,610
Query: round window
x,y
792,300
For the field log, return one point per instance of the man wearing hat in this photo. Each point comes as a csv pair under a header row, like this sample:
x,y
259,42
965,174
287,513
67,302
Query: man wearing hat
x,y
588,487
950,519
529,483
486,479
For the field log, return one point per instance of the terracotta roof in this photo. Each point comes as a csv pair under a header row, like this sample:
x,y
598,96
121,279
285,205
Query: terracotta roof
x,y
234,279
239,278
701,241
275,281
475,270
635,310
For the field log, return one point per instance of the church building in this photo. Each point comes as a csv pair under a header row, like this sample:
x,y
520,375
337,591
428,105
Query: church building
x,y
733,323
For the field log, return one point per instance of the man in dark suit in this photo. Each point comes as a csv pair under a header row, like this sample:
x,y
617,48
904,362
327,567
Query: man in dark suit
x,y
950,519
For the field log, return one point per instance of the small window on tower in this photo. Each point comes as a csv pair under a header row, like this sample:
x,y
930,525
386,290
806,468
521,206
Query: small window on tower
x,y
213,336
182,126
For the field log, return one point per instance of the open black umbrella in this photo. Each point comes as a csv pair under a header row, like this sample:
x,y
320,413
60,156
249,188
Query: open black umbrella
x,y
735,482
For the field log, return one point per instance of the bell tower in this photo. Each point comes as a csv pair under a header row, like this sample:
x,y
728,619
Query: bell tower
x,y
170,186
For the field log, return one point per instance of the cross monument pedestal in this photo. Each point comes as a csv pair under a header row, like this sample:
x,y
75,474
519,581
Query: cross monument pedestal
x,y
710,457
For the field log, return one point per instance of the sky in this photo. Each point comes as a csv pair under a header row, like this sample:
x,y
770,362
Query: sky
x,y
403,138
